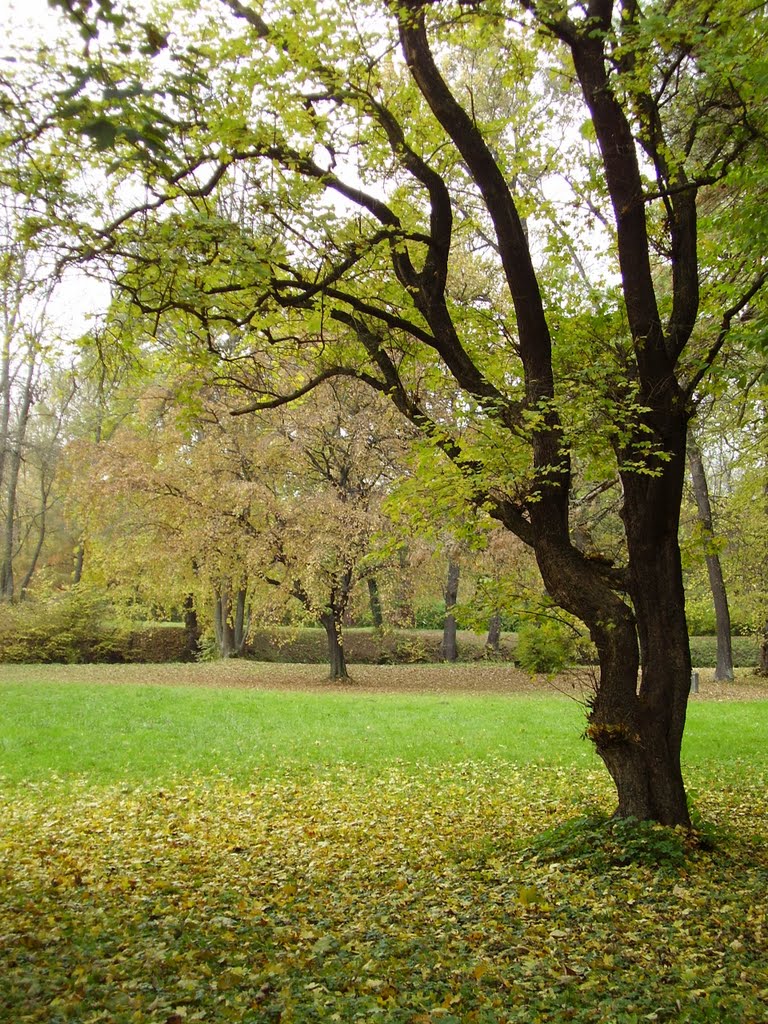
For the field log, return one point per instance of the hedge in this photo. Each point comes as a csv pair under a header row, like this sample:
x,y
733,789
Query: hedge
x,y
165,642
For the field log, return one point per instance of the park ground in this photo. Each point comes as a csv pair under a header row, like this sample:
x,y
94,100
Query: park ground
x,y
475,678
424,845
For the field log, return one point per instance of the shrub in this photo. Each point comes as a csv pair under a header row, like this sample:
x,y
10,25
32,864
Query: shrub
x,y
64,627
76,626
545,646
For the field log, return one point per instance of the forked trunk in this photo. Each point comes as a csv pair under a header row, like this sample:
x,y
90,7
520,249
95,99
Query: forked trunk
x,y
640,741
635,723
231,623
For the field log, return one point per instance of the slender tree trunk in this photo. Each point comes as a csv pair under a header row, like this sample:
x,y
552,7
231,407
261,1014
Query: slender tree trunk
x,y
374,598
191,626
38,548
762,665
77,572
404,612
241,622
448,648
222,625
13,468
494,634
724,668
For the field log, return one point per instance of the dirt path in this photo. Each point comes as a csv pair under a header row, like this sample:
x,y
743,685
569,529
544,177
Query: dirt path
x,y
480,678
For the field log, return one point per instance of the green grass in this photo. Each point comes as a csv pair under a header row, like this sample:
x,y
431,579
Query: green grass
x,y
111,733
114,733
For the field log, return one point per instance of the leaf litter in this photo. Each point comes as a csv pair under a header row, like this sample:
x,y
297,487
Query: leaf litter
x,y
412,898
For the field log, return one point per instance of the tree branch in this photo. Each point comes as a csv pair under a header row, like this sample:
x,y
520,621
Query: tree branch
x,y
725,327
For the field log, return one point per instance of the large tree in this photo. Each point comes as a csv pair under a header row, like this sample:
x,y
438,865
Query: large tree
x,y
378,183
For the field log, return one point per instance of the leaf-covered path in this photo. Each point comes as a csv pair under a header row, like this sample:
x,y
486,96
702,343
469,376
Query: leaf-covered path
x,y
477,678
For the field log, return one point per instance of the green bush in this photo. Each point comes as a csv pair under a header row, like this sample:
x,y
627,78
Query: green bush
x,y
66,627
545,647
430,616
76,626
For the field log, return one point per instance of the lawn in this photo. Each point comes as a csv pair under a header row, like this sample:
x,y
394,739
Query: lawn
x,y
191,853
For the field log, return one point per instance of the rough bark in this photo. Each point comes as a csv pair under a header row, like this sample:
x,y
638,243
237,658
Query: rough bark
x,y
724,667
337,662
493,639
448,648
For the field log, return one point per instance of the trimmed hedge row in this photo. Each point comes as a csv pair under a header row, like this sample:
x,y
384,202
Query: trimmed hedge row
x,y
369,647
403,646
169,642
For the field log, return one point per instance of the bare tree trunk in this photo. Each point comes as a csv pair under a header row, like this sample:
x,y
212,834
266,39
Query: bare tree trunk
x,y
448,648
494,634
762,665
230,623
13,468
77,572
191,626
374,598
724,668
40,540
241,622
337,662
221,624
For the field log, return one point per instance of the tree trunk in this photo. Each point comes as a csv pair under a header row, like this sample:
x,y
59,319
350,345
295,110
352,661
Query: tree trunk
x,y
448,648
762,665
404,614
191,626
331,620
13,468
77,572
230,626
494,634
374,598
645,762
637,730
241,622
221,624
724,668
31,569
